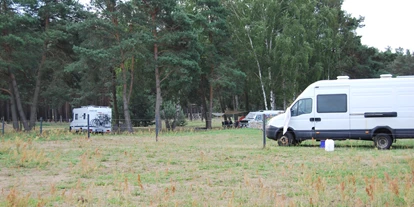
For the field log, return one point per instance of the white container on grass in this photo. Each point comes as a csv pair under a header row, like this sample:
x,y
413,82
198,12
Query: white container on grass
x,y
329,145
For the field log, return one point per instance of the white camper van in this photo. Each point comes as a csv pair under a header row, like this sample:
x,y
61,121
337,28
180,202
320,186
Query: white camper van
x,y
379,110
99,119
255,119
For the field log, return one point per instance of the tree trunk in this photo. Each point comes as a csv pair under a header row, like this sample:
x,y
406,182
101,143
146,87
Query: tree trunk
x,y
125,99
222,103
236,102
7,110
272,100
158,98
260,70
67,111
272,94
210,108
284,95
167,124
114,99
19,102
33,108
53,115
132,79
204,100
191,111
246,99
15,118
177,114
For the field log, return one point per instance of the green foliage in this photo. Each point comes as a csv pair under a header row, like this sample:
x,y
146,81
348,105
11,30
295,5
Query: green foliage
x,y
245,50
173,115
181,119
142,108
402,65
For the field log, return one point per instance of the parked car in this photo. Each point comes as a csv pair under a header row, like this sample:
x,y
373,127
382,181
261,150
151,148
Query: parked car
x,y
255,119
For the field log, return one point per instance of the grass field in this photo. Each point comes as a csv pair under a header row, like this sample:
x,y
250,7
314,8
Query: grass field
x,y
199,168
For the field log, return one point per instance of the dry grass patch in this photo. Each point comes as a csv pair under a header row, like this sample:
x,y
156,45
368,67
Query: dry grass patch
x,y
209,168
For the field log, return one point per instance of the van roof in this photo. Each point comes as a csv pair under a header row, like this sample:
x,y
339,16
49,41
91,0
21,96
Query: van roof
x,y
367,81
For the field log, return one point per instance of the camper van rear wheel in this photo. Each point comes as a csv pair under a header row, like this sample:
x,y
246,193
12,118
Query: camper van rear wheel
x,y
285,140
383,141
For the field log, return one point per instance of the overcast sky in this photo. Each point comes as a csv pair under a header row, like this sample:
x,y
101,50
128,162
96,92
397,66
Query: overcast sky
x,y
387,22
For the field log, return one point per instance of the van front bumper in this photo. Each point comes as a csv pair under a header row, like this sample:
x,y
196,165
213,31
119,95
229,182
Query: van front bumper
x,y
271,132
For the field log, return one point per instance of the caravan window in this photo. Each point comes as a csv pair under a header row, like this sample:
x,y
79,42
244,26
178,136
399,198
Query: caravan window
x,y
76,116
332,103
303,106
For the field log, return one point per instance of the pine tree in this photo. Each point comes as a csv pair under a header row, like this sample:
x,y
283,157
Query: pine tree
x,y
174,45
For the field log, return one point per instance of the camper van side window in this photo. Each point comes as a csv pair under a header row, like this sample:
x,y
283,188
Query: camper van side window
x,y
84,116
303,106
332,103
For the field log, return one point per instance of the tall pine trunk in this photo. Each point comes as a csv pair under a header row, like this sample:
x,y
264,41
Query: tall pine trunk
x,y
111,7
204,99
15,118
18,102
158,98
210,108
209,118
114,99
125,100
33,107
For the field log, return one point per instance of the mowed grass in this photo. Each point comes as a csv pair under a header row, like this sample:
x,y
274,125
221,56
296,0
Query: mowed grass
x,y
199,168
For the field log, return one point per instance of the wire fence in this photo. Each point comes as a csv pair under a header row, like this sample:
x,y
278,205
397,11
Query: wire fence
x,y
117,125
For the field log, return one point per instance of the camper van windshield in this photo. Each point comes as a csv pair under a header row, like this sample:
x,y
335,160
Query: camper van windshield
x,y
303,106
250,115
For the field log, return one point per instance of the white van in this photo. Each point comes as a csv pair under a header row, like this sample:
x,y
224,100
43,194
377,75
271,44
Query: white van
x,y
99,119
255,119
379,110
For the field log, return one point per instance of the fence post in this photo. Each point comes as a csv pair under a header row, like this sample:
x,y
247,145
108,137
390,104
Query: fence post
x,y
41,124
264,131
89,134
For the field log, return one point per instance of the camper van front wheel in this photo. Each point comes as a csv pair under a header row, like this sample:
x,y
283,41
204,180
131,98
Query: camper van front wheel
x,y
383,141
285,140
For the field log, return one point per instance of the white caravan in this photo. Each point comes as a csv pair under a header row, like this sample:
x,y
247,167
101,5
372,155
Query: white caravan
x,y
99,119
380,110
255,119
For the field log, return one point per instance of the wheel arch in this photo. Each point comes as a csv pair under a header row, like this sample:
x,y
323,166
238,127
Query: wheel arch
x,y
382,129
280,132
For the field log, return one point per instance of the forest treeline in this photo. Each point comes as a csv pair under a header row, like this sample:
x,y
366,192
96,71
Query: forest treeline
x,y
142,57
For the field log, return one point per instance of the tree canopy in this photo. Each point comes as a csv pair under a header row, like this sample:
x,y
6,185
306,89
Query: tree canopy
x,y
136,55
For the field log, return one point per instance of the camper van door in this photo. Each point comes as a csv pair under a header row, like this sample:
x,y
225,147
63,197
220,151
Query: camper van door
x,y
332,112
301,113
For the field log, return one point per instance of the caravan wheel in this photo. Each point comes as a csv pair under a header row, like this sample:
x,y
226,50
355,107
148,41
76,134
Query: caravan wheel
x,y
383,141
286,139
